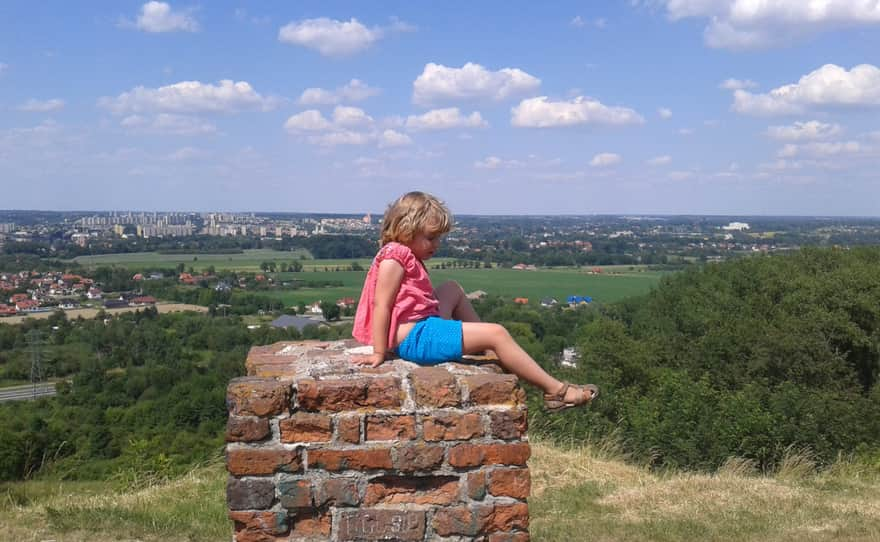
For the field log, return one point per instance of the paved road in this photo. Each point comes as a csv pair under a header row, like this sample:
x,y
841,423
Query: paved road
x,y
23,393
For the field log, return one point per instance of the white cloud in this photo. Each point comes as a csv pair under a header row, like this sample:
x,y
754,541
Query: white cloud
x,y
439,83
605,159
355,91
329,36
665,113
800,131
342,137
685,131
493,162
680,175
158,17
660,160
830,85
350,116
445,119
821,149
349,126
190,97
541,113
737,84
751,24
42,106
165,123
580,22
787,151
307,121
186,154
392,138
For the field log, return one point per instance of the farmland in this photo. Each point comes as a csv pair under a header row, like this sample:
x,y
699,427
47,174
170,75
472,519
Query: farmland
x,y
612,284
247,260
534,285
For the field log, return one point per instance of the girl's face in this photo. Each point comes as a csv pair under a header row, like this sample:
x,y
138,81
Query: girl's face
x,y
425,244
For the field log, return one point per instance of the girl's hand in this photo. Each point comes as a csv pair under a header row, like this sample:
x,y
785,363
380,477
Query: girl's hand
x,y
373,360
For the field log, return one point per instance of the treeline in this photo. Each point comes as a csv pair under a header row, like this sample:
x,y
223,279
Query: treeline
x,y
14,263
509,253
320,246
750,358
140,393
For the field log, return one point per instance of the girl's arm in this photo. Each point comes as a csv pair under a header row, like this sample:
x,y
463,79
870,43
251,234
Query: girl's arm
x,y
387,285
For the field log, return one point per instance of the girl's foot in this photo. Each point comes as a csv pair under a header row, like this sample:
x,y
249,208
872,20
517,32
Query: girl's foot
x,y
570,395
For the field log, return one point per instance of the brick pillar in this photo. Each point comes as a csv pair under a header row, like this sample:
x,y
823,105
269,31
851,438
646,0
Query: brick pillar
x,y
321,449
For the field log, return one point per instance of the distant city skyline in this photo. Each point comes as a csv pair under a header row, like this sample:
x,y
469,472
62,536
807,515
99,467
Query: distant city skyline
x,y
631,107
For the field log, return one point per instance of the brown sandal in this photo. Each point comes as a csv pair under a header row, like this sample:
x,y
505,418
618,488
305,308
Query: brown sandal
x,y
554,402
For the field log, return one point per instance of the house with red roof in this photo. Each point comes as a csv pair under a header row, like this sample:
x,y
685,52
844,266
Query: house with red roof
x,y
27,305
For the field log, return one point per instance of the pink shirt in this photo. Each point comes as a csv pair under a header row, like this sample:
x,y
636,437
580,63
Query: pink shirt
x,y
415,299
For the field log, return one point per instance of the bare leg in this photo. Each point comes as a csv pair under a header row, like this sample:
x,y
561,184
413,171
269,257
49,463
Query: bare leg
x,y
454,304
481,336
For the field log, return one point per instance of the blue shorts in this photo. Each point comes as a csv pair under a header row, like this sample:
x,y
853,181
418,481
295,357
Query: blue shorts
x,y
432,341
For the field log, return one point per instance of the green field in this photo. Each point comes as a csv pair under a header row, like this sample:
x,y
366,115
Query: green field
x,y
534,285
249,260
615,283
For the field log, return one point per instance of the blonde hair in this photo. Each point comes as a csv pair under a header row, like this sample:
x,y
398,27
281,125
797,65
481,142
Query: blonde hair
x,y
412,213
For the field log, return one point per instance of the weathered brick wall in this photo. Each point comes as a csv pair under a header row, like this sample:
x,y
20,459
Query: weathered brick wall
x,y
321,449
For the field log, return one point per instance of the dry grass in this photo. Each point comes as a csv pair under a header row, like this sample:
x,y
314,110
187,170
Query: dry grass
x,y
574,492
189,508
578,493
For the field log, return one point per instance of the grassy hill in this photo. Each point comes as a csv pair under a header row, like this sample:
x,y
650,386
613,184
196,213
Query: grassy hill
x,y
577,494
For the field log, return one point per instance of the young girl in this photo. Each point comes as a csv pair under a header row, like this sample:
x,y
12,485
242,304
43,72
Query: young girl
x,y
400,314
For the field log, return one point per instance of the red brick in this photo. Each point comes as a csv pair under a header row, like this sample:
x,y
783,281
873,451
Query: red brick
x,y
508,424
455,520
360,459
368,524
476,485
311,524
494,390
257,461
258,526
481,519
253,396
250,493
514,483
379,427
452,426
295,493
509,537
306,427
338,395
474,455
246,429
418,457
435,387
338,492
504,517
437,490
348,428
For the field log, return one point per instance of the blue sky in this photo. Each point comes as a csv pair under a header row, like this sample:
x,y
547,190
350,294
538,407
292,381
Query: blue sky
x,y
641,106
